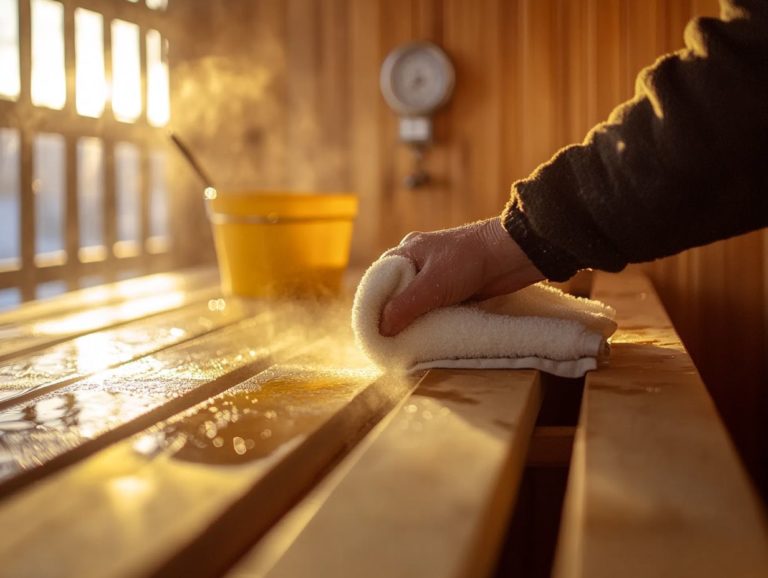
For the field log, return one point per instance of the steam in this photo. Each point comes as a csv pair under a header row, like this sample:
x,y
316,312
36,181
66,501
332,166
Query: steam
x,y
253,126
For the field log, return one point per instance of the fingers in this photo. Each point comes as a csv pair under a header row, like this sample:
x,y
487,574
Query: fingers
x,y
420,297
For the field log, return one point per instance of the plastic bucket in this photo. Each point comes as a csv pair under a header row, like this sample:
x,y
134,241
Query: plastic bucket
x,y
279,244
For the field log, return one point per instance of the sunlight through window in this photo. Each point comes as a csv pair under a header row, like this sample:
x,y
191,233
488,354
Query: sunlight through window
x,y
126,71
49,86
157,4
127,175
48,185
90,81
158,106
158,204
9,199
90,195
9,49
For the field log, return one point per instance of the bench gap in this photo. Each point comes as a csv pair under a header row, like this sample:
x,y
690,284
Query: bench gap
x,y
530,542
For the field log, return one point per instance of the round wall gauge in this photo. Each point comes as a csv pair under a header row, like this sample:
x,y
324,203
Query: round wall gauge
x,y
417,78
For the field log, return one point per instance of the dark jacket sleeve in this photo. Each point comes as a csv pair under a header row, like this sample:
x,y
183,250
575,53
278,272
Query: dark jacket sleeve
x,y
682,164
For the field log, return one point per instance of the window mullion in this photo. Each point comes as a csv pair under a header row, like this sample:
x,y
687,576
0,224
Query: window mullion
x,y
28,267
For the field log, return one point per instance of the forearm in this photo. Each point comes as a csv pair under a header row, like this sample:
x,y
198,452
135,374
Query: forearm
x,y
682,164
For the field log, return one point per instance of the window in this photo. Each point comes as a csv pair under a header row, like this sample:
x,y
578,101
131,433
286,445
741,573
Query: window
x,y
83,192
49,83
49,188
128,199
158,106
10,82
90,194
126,86
91,82
10,213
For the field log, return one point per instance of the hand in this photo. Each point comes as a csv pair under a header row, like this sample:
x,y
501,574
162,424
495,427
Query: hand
x,y
475,261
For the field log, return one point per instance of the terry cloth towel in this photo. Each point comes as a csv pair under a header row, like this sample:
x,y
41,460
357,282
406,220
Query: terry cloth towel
x,y
539,327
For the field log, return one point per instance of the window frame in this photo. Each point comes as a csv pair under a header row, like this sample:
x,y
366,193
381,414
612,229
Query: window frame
x,y
30,120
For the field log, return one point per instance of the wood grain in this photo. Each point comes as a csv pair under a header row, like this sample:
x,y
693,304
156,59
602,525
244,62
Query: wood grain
x,y
23,338
110,294
185,497
68,423
656,487
429,495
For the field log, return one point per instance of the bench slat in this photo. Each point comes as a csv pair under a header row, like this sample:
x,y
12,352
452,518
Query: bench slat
x,y
68,423
23,338
655,487
171,502
112,293
430,494
22,377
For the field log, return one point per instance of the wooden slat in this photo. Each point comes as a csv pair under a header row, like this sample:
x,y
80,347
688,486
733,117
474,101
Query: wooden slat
x,y
656,487
63,426
429,495
551,447
19,339
110,294
24,377
187,496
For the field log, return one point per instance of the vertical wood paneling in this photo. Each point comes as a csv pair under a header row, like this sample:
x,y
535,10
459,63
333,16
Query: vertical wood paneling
x,y
538,68
366,110
472,37
511,97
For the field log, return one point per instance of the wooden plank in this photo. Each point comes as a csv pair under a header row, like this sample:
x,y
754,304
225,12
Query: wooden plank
x,y
366,109
110,294
19,339
430,493
551,447
655,487
59,365
185,497
69,423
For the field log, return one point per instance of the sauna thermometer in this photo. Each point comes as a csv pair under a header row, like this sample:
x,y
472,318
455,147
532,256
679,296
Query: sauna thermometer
x,y
416,80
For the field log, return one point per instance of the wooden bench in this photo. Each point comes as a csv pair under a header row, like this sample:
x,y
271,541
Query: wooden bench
x,y
148,435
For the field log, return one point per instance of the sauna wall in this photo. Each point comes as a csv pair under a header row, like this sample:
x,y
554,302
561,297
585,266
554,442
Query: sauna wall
x,y
284,94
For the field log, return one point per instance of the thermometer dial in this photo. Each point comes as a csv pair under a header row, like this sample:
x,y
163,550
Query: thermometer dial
x,y
417,78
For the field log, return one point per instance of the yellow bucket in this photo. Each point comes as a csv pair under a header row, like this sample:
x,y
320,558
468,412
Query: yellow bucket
x,y
276,244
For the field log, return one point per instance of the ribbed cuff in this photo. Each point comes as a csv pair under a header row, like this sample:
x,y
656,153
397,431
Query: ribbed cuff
x,y
554,263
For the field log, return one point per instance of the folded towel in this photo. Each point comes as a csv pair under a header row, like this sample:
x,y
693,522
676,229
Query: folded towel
x,y
539,327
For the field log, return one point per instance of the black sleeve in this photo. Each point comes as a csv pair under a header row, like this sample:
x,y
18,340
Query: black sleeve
x,y
682,164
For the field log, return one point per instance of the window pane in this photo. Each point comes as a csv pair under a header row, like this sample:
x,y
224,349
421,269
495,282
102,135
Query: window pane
x,y
126,71
49,187
128,199
9,298
157,4
48,79
90,195
158,203
50,289
158,107
9,49
89,50
10,215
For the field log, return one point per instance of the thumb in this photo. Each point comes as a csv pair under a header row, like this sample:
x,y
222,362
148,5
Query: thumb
x,y
417,299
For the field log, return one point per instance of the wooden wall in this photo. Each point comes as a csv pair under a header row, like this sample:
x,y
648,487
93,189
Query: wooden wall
x,y
284,94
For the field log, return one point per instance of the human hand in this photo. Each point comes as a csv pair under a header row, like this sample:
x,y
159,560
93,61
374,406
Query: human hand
x,y
474,261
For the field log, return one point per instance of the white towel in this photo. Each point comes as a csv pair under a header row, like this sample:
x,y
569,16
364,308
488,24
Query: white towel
x,y
539,327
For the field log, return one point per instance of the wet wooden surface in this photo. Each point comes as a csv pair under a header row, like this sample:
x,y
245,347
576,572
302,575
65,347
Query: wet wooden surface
x,y
655,486
432,492
204,436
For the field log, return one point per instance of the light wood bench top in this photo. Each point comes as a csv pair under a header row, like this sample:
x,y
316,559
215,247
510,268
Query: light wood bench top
x,y
655,486
207,436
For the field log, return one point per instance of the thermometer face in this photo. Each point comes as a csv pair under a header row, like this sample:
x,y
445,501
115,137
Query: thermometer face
x,y
416,78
